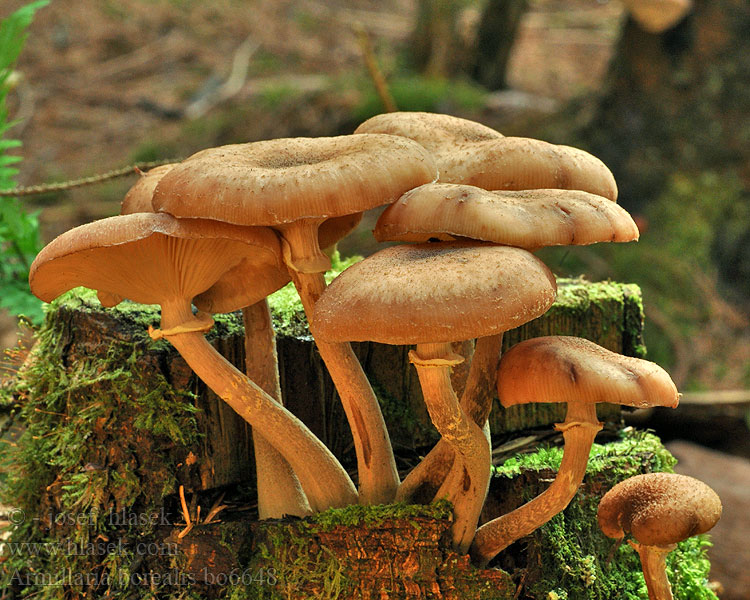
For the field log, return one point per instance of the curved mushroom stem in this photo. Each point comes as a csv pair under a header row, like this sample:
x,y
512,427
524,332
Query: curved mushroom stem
x,y
653,561
324,480
433,364
279,490
378,477
424,481
579,430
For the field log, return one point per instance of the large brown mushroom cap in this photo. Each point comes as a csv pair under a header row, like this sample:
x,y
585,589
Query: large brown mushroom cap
x,y
138,198
572,369
280,181
514,163
431,293
431,130
659,509
147,257
526,219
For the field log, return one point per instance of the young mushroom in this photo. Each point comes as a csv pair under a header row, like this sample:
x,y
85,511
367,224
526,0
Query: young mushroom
x,y
658,510
157,259
294,186
431,295
581,374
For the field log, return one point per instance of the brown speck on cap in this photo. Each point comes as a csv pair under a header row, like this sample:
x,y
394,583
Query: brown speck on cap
x,y
659,509
440,292
572,369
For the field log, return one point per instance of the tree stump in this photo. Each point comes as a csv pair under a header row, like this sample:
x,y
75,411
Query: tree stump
x,y
115,423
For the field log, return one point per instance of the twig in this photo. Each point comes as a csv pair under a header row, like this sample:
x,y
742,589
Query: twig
x,y
185,514
33,190
381,86
233,84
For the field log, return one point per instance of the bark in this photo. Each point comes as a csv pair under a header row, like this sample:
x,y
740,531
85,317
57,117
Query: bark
x,y
498,27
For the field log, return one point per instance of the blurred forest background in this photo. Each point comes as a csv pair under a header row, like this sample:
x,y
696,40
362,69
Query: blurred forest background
x,y
102,84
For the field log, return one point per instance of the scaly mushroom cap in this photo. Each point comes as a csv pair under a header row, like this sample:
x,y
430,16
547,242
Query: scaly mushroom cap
x,y
659,509
526,219
430,293
572,369
280,181
513,163
148,258
431,130
657,16
138,198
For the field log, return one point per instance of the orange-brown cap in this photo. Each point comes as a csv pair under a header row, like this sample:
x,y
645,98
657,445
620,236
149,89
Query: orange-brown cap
x,y
432,130
514,163
279,181
441,292
571,369
148,258
526,219
138,198
659,509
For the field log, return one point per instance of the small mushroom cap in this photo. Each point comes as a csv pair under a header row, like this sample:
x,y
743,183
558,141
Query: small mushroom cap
x,y
441,292
526,219
148,258
659,509
657,16
138,198
431,130
571,369
514,163
280,181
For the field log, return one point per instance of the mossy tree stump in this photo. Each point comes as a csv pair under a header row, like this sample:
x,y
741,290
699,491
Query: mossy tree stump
x,y
116,422
607,313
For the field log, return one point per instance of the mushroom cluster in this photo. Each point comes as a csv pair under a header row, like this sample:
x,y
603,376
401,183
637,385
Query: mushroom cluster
x,y
228,226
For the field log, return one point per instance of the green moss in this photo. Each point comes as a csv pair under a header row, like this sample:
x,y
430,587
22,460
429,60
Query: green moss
x,y
616,307
313,558
354,515
624,456
100,440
